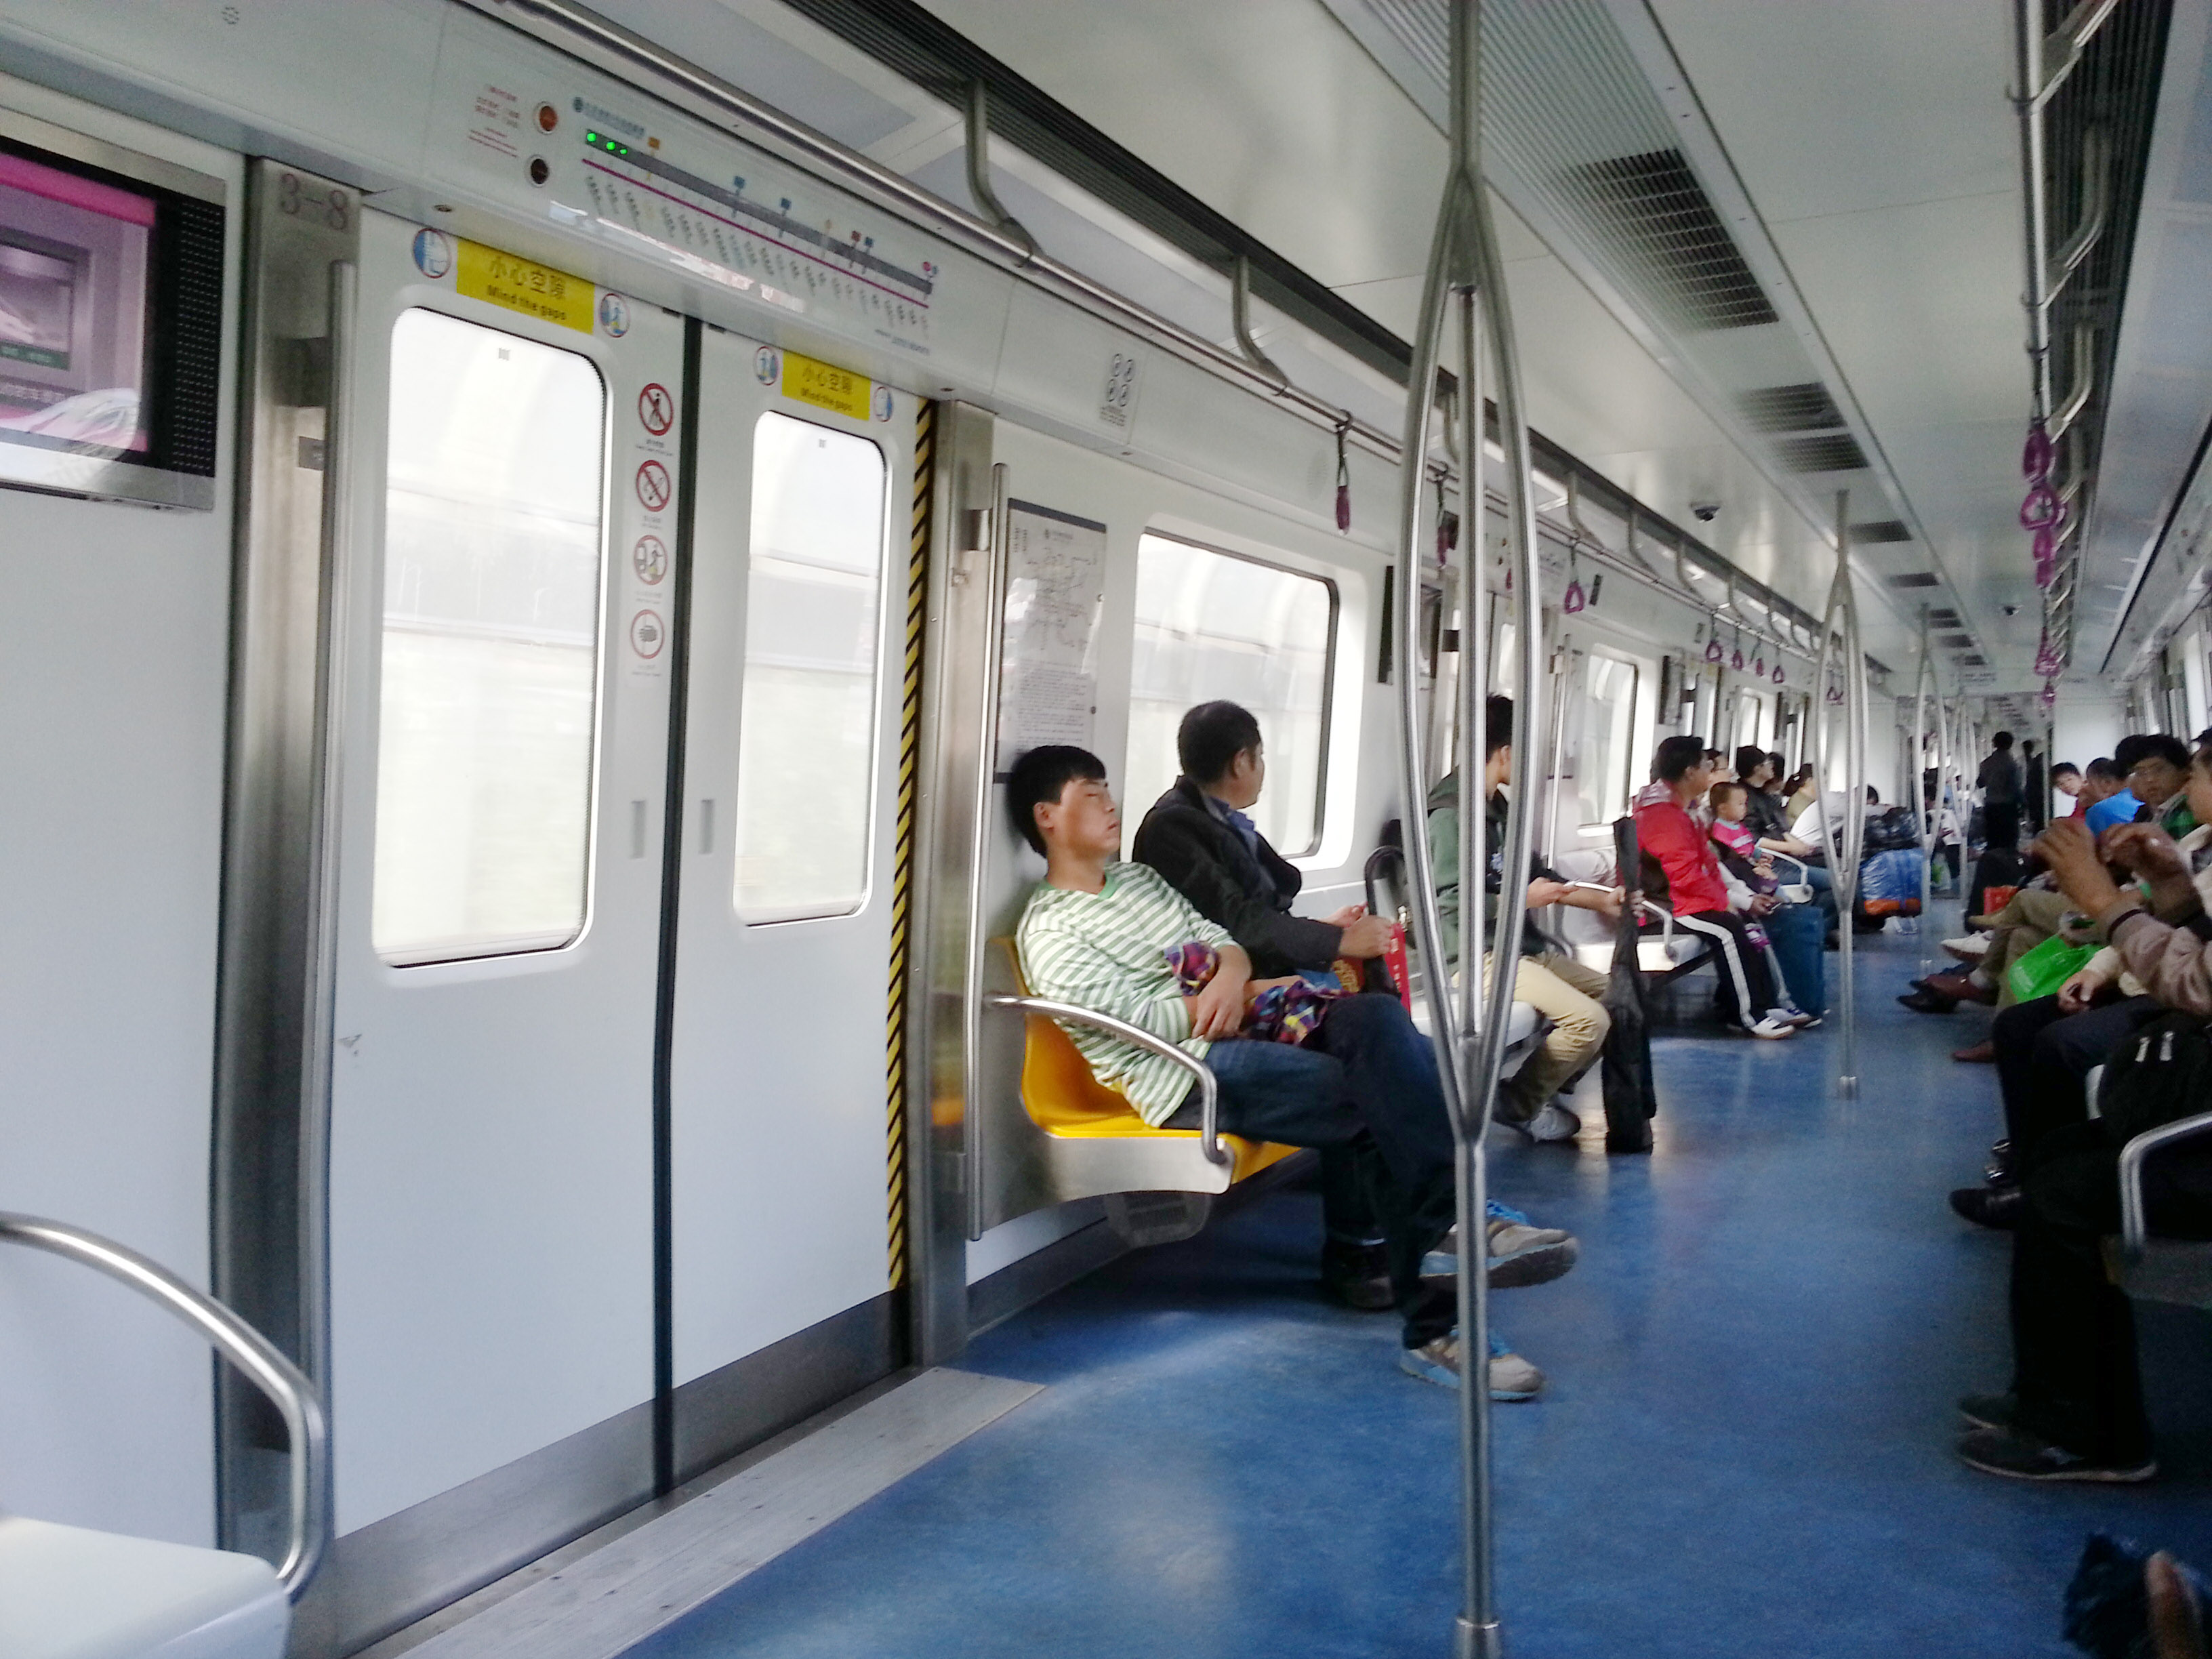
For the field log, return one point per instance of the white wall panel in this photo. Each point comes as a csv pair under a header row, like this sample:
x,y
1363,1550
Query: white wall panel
x,y
114,634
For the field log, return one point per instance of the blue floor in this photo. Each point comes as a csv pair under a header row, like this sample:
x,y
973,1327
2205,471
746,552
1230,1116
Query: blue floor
x,y
1744,1448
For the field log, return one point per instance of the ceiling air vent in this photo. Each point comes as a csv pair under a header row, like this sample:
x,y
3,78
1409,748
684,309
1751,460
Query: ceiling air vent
x,y
1955,642
1837,451
1661,223
1911,578
1945,618
1973,661
1887,529
1806,408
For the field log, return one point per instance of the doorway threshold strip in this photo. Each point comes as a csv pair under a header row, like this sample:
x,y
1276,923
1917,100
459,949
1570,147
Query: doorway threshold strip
x,y
606,1602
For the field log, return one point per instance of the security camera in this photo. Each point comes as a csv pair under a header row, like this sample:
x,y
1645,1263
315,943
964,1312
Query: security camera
x,y
2009,609
1704,512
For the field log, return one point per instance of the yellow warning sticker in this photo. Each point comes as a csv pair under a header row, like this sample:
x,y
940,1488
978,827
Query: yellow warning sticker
x,y
826,387
524,285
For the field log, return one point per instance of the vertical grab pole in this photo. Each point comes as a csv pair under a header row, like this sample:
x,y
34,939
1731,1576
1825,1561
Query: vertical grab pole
x,y
1480,1634
1925,808
1464,269
1843,842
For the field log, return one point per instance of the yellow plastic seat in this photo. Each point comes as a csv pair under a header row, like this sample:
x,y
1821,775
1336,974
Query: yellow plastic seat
x,y
1064,1099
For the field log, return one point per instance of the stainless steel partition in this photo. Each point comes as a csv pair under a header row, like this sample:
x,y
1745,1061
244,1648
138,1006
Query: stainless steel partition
x,y
958,689
303,237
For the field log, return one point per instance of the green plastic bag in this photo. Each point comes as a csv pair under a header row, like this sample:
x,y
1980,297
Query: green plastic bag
x,y
2041,971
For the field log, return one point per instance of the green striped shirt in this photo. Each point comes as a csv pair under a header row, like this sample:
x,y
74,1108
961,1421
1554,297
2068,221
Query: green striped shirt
x,y
1107,952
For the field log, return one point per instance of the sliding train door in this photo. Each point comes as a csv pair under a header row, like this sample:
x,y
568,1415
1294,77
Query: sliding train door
x,y
779,1097
501,715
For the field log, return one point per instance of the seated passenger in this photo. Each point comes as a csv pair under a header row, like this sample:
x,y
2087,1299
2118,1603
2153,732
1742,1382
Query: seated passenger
x,y
1555,985
1699,895
1198,836
2074,1410
2044,1048
2122,806
1105,935
2066,779
1750,875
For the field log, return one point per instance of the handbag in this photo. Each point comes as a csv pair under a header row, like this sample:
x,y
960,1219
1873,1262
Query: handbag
x,y
2160,1072
2039,972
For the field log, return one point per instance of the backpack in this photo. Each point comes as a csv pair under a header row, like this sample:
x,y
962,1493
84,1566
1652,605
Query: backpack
x,y
1892,831
2161,1072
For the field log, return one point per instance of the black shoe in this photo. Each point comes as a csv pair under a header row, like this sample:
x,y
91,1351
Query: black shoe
x,y
1358,1276
1989,1410
1925,1001
2019,1456
1996,1207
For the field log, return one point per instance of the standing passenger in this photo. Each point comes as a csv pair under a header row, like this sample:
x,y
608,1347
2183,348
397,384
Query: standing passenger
x,y
2002,788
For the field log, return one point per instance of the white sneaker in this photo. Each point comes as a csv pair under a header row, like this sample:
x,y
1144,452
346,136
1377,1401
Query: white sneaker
x,y
1554,1122
1770,1028
1972,948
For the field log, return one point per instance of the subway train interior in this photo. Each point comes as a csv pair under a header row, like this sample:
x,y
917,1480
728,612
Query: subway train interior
x,y
735,738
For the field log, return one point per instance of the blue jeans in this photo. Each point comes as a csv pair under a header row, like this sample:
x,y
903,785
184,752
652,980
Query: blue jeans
x,y
1366,1072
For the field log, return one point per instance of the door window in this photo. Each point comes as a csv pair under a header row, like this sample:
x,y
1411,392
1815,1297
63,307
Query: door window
x,y
1603,769
488,708
1210,626
806,743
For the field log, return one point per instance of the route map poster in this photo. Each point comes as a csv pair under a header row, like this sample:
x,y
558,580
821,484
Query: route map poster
x,y
1048,666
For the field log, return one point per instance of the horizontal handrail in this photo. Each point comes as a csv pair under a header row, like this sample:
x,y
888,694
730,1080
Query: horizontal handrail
x,y
1209,1090
292,1393
2133,1234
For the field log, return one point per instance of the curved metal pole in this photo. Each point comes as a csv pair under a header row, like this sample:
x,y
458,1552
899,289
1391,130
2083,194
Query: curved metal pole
x,y
979,172
290,1392
1843,842
1240,319
1926,803
1464,265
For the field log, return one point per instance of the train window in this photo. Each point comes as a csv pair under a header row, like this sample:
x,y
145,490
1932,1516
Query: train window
x,y
492,524
1751,726
806,743
1603,767
1212,625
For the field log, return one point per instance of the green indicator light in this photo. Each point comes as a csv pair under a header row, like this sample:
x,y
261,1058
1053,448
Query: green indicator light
x,y
612,146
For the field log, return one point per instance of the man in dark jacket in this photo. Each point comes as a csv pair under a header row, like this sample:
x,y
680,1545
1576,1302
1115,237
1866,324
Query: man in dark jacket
x,y
1198,836
2002,790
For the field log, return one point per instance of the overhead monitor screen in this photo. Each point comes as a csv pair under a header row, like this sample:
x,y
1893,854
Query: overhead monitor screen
x,y
74,258
111,275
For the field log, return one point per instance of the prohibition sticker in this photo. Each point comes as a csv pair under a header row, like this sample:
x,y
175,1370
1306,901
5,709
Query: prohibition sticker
x,y
656,409
647,633
614,314
825,385
767,366
652,486
649,559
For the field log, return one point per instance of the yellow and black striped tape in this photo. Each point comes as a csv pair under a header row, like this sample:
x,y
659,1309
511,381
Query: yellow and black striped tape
x,y
909,756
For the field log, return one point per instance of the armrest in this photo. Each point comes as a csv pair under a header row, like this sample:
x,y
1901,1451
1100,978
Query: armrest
x,y
2133,1233
1666,917
1804,871
1209,1090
